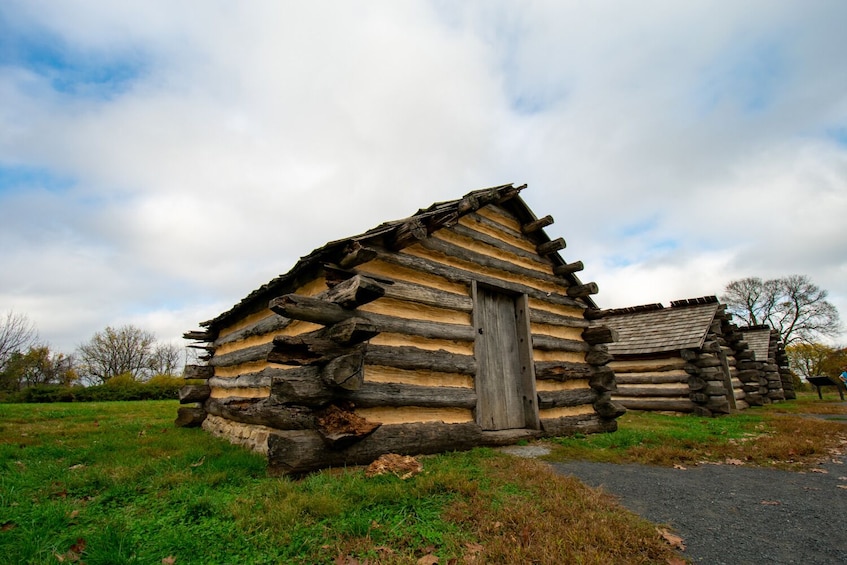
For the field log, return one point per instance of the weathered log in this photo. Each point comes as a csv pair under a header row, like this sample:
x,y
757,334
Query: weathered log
x,y
707,361
302,386
595,314
648,365
602,379
309,309
301,451
258,379
422,328
583,290
535,225
550,343
421,294
607,409
496,438
654,404
356,256
563,398
629,391
550,247
561,370
500,245
545,317
198,372
320,346
194,393
598,355
395,394
413,358
696,384
345,371
649,378
270,324
407,233
199,335
355,291
581,424
599,334
263,412
189,417
243,355
568,268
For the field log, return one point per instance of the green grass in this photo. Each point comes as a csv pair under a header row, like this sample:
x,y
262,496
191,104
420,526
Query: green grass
x,y
116,482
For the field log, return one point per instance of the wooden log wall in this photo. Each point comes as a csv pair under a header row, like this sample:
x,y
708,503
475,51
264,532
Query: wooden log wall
x,y
406,381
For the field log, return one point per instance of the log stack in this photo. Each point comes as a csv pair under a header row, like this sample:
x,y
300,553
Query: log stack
x,y
770,359
677,359
456,327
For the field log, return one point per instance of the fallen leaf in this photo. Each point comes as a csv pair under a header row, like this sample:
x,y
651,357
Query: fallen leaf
x,y
429,559
771,502
73,514
169,560
842,486
6,526
730,461
821,471
474,548
200,462
680,467
674,540
77,466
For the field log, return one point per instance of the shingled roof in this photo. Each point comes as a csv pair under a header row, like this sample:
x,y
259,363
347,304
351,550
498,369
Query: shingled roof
x,y
758,339
652,328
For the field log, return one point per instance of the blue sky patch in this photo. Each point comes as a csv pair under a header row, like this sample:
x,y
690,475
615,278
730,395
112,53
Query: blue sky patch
x,y
21,177
839,135
70,69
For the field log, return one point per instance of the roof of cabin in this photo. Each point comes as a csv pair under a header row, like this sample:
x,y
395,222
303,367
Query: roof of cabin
x,y
758,338
435,217
652,328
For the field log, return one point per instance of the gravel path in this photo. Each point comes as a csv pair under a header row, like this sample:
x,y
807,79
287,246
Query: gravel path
x,y
735,515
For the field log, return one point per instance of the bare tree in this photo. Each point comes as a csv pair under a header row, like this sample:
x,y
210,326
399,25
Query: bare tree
x,y
17,334
166,359
113,352
793,305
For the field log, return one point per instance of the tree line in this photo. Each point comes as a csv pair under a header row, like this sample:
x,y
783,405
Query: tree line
x,y
127,351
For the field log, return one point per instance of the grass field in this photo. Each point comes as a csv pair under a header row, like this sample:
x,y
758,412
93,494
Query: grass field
x,y
115,482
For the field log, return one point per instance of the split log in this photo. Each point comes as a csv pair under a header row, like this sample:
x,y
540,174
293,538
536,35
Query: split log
x,y
564,398
535,225
354,292
198,372
194,393
320,346
630,391
345,371
599,334
581,424
262,412
243,355
407,233
568,268
301,451
545,317
189,417
583,290
395,394
649,378
309,309
550,247
550,343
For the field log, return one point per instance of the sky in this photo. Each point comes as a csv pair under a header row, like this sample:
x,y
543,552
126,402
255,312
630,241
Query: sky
x,y
159,160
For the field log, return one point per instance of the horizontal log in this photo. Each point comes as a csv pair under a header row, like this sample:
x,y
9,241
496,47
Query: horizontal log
x,y
428,296
270,324
550,247
646,365
296,452
354,292
258,379
581,424
301,386
198,372
599,334
309,309
340,427
550,343
199,335
561,370
501,246
243,355
562,398
356,256
413,358
649,378
535,225
421,328
595,314
194,393
583,290
545,317
707,361
394,394
262,412
497,438
189,417
660,405
631,391
568,268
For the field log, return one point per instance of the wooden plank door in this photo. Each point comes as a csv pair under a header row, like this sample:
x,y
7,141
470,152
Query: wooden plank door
x,y
505,379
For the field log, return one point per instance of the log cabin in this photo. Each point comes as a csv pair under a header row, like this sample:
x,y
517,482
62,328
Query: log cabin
x,y
771,360
679,359
459,326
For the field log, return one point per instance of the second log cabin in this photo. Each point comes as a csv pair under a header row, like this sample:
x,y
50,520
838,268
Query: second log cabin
x,y
456,327
770,362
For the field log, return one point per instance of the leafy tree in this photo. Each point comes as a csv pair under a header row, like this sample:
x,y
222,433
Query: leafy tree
x,y
809,359
38,366
114,351
793,305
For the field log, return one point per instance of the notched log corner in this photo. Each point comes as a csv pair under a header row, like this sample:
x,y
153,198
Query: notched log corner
x,y
339,427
